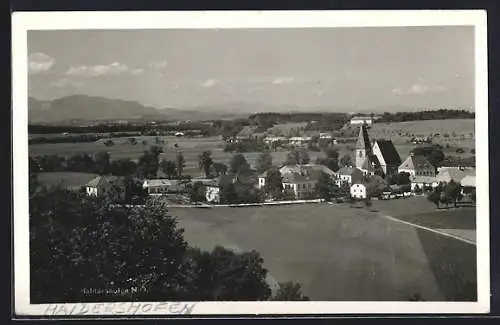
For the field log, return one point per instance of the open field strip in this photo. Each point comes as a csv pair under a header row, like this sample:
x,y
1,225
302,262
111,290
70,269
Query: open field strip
x,y
432,230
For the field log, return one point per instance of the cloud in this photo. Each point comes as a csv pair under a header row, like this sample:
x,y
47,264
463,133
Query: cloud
x,y
418,89
210,83
65,82
281,81
157,65
113,69
40,62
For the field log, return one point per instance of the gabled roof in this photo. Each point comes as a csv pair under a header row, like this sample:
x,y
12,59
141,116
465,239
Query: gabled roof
x,y
454,173
415,162
161,182
389,152
468,180
102,181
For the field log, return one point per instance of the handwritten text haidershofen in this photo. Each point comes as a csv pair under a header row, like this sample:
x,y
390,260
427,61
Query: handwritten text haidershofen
x,y
122,308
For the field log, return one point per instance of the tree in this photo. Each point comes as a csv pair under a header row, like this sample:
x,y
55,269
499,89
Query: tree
x,y
297,156
123,167
452,192
289,291
149,163
132,141
225,275
238,164
274,185
169,168
94,246
331,160
220,168
326,188
198,192
205,162
80,242
228,194
102,163
375,185
109,142
402,178
180,163
264,162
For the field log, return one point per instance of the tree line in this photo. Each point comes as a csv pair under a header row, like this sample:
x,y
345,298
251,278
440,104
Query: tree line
x,y
440,114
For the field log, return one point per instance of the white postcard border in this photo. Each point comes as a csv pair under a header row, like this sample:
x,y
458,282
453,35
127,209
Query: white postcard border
x,y
24,21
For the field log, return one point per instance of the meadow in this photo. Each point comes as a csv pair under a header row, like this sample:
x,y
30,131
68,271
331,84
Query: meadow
x,y
461,134
341,253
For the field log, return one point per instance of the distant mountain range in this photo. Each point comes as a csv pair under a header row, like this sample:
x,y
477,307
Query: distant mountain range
x,y
91,109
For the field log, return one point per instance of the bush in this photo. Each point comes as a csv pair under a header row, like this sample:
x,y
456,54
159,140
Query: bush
x,y
460,150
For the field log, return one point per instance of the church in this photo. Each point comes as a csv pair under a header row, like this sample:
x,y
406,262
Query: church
x,y
377,158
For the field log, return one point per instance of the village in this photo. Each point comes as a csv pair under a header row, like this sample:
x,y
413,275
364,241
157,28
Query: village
x,y
376,172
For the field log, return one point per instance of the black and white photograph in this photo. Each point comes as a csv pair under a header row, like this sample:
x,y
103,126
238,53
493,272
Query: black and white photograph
x,y
274,162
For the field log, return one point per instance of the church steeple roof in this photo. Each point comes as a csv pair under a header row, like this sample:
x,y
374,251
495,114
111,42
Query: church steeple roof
x,y
363,139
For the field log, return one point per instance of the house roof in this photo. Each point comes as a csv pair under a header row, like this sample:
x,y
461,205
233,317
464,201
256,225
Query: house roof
x,y
454,173
415,161
389,152
99,181
160,182
358,118
311,170
423,179
355,173
468,180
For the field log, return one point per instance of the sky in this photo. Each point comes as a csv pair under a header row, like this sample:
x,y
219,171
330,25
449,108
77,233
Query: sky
x,y
364,68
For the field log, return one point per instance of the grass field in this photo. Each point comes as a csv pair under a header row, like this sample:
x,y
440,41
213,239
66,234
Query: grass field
x,y
463,129
192,147
341,253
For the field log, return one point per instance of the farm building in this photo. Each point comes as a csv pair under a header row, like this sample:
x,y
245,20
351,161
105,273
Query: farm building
x,y
358,190
161,186
101,185
299,140
456,174
417,165
357,120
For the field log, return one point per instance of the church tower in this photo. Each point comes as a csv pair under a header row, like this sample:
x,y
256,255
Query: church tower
x,y
363,147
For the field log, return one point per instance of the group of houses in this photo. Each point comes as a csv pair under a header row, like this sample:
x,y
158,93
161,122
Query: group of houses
x,y
378,157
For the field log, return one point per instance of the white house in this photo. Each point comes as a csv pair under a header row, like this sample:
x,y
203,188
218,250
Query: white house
x,y
212,192
358,190
362,120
